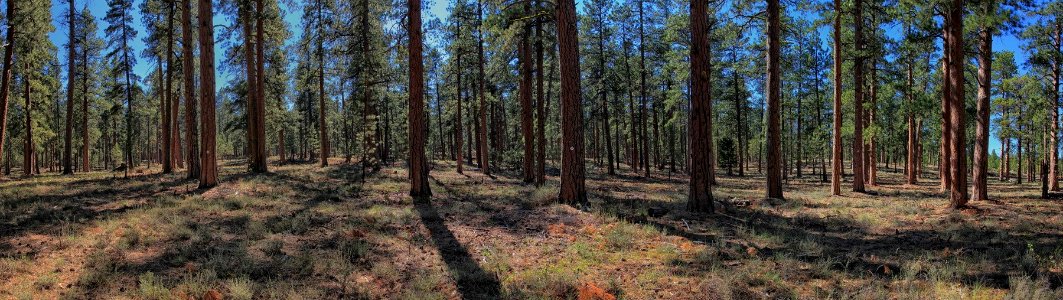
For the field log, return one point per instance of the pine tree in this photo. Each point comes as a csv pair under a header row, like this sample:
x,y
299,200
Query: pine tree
x,y
774,143
700,197
573,187
418,162
208,176
120,32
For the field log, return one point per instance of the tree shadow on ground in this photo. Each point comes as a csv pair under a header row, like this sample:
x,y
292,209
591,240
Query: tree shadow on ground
x,y
849,245
46,213
473,282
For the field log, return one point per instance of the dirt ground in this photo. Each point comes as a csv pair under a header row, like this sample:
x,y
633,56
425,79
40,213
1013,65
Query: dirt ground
x,y
303,232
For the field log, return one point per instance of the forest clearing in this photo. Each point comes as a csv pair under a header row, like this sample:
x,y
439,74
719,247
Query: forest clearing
x,y
304,232
531,149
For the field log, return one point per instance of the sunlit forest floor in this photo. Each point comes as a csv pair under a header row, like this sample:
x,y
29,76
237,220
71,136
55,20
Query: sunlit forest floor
x,y
306,232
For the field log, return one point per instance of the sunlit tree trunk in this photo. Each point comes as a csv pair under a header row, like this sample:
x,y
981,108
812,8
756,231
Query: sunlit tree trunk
x,y
418,163
981,135
700,197
191,128
573,187
208,176
957,140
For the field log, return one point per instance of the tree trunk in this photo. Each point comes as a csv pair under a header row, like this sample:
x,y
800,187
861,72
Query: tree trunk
x,y
858,94
68,159
5,81
912,175
644,157
85,163
943,169
458,124
573,188
981,135
368,109
191,129
247,16
167,99
774,156
700,197
419,187
258,150
485,158
957,141
1053,162
322,116
870,152
28,152
540,155
526,107
208,176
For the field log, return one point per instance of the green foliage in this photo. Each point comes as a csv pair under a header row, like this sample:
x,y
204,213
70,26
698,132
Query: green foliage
x,y
726,153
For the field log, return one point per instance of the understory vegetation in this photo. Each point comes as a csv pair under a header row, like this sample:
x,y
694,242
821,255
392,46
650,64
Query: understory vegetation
x,y
303,232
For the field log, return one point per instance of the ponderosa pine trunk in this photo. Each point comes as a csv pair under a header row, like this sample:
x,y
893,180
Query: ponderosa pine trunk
x,y
912,175
68,145
322,123
251,71
1053,162
188,67
85,163
28,150
602,94
700,195
946,148
485,158
573,187
419,187
774,143
981,135
368,107
540,154
177,160
167,100
836,147
858,95
459,142
957,140
208,176
871,164
258,152
5,81
644,154
525,92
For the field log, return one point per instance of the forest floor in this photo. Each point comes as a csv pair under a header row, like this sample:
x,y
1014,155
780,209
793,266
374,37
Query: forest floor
x,y
307,232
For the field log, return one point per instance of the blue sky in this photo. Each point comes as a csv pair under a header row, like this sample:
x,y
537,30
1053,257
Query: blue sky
x,y
434,8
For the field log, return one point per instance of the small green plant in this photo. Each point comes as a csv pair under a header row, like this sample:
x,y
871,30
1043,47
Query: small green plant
x,y
46,281
150,288
241,288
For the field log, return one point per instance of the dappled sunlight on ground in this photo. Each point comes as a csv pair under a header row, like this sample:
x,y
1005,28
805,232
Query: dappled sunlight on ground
x,y
308,232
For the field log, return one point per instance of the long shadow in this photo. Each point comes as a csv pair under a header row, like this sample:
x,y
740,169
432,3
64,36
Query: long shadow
x,y
853,249
81,207
473,282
